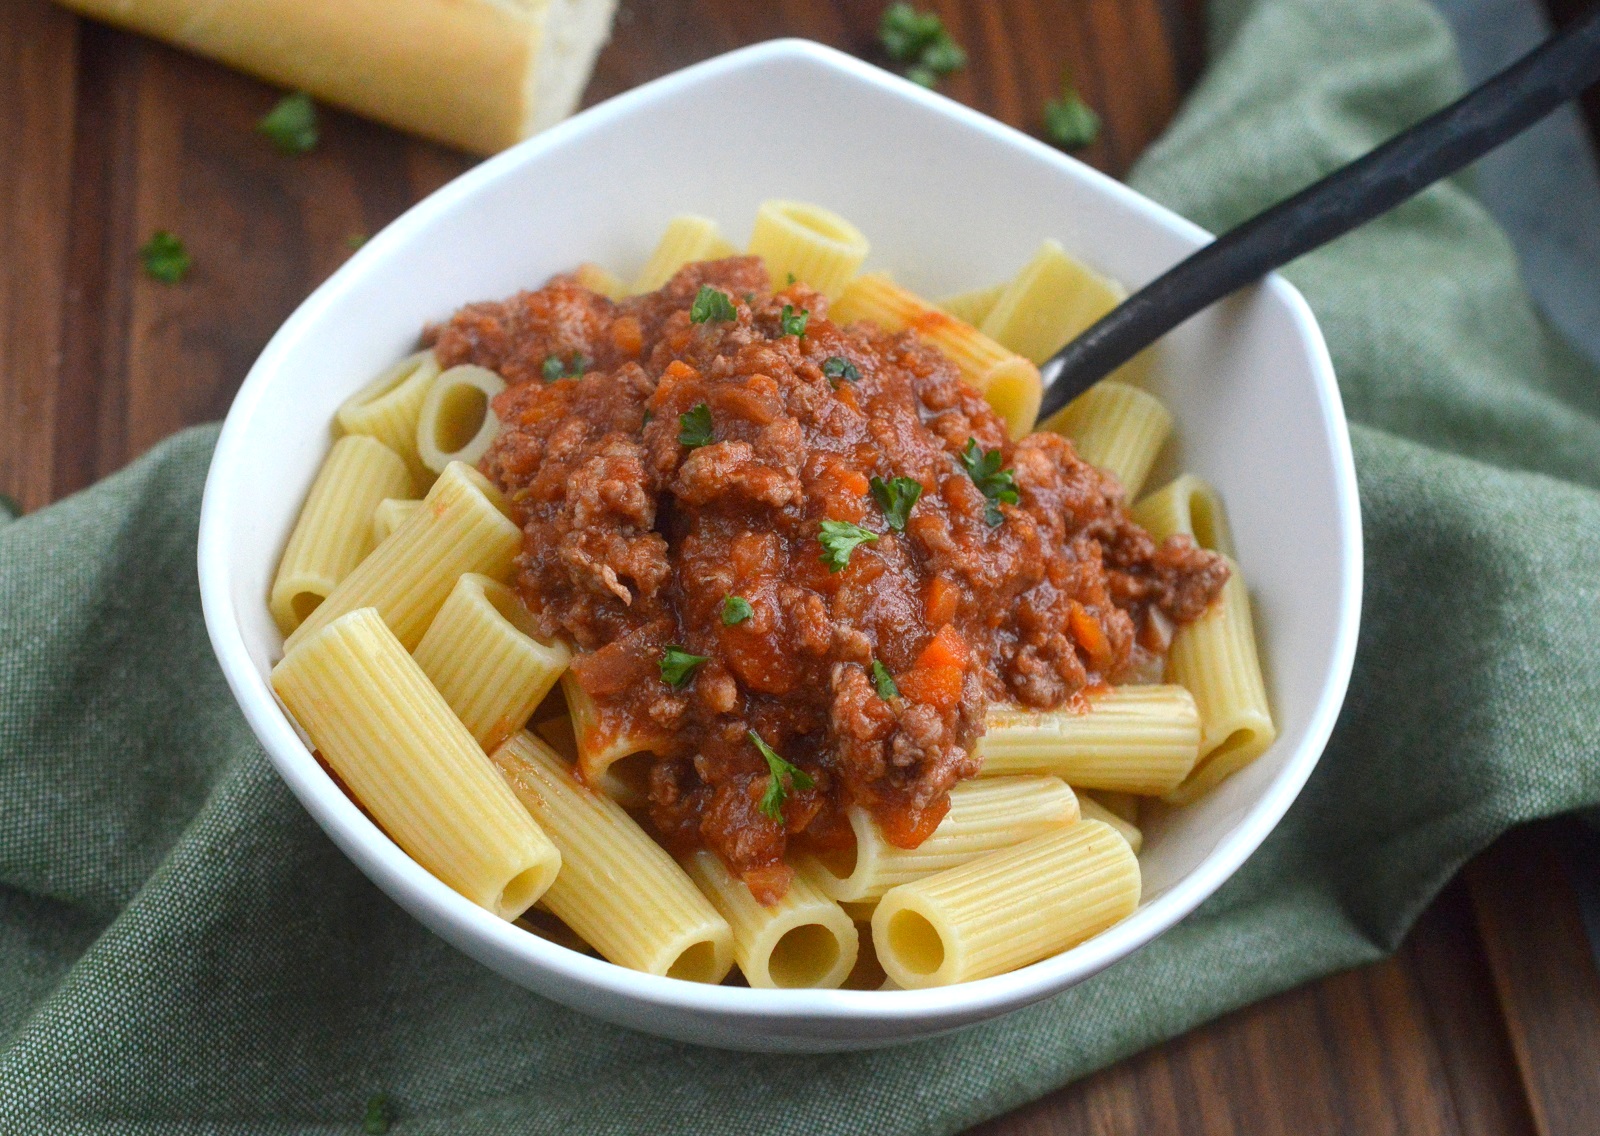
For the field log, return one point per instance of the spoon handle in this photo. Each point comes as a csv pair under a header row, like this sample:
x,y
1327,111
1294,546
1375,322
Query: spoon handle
x,y
1558,70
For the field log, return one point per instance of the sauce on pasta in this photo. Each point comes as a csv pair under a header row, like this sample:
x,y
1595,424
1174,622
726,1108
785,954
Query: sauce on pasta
x,y
770,537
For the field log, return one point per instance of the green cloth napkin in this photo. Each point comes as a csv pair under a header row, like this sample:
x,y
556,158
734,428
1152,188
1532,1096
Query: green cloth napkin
x,y
182,950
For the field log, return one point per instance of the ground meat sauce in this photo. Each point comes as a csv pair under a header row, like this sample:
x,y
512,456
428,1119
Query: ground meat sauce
x,y
633,541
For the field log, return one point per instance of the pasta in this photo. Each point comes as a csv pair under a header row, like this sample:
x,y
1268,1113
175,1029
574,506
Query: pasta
x,y
618,889
388,407
971,307
1132,739
805,939
1125,826
1009,382
460,528
333,532
688,238
616,765
1050,302
391,513
984,815
601,280
1117,428
389,735
480,653
1008,908
811,244
1187,505
457,422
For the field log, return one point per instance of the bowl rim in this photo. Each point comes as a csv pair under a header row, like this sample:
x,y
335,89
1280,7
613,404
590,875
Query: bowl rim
x,y
416,889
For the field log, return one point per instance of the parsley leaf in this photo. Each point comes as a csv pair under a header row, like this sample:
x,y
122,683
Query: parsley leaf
x,y
837,367
921,42
839,539
553,368
165,259
896,497
292,124
735,610
781,771
793,322
694,426
997,484
884,681
710,304
789,279
355,241
1070,122
677,666
376,1120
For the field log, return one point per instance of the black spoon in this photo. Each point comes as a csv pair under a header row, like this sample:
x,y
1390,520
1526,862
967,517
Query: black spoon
x,y
1558,70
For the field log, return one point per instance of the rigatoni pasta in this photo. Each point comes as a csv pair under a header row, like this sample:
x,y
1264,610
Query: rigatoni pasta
x,y
333,532
390,736
687,238
809,243
1117,428
1051,301
390,514
457,422
387,408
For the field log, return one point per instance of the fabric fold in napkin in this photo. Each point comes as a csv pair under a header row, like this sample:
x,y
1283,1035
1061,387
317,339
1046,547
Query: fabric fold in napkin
x,y
182,950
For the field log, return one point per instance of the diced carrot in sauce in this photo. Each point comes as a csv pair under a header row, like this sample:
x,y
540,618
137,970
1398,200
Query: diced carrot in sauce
x,y
944,599
908,829
1090,636
946,649
938,686
627,336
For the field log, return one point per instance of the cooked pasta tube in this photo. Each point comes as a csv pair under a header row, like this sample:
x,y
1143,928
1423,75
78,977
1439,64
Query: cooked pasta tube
x,y
1117,428
1007,909
1133,739
1215,657
616,764
462,527
814,245
985,815
687,239
602,280
390,736
1050,302
1008,381
391,513
387,408
481,654
457,421
971,307
1094,810
803,940
334,531
1186,505
618,889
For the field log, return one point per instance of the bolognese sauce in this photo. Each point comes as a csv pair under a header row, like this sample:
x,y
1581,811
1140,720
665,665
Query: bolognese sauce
x,y
801,558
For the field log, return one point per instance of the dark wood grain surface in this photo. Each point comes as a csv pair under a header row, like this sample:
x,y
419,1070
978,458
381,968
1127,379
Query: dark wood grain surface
x,y
1487,1022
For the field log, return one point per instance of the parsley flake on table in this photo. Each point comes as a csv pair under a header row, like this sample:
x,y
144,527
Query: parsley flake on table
x,y
836,367
292,124
710,304
998,485
783,778
677,666
694,426
920,41
839,539
355,241
1069,122
793,322
896,498
884,681
735,610
164,258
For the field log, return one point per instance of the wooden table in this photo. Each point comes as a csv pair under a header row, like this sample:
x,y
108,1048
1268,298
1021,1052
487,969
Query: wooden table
x,y
1486,1022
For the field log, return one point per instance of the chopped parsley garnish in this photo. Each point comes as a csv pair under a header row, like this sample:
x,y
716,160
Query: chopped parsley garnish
x,y
884,681
837,367
553,368
839,539
375,1122
710,304
292,124
1070,122
735,610
677,666
789,280
896,497
649,417
793,322
165,259
920,41
781,771
998,485
694,426
355,241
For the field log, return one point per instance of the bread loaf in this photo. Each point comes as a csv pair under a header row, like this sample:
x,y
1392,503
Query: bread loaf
x,y
476,74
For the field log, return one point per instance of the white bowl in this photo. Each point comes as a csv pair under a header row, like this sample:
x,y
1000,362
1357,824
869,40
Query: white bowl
x,y
950,200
